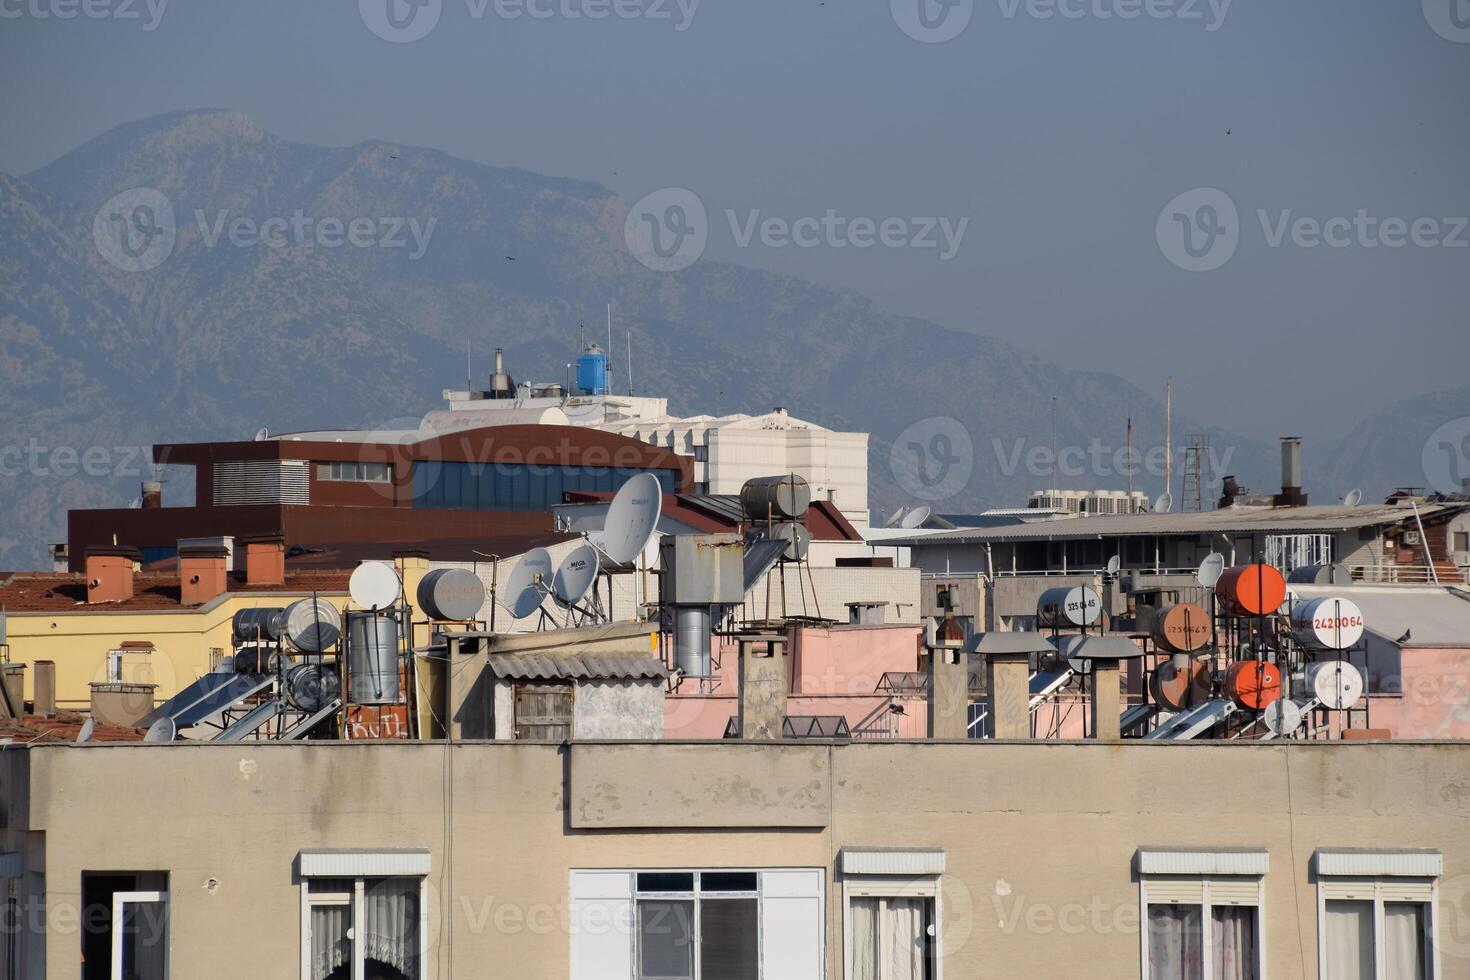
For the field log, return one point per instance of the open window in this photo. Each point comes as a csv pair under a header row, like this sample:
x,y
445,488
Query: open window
x,y
890,919
127,934
362,915
1202,914
1376,914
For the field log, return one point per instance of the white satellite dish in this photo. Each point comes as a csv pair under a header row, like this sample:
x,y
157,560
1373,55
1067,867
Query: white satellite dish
x,y
1210,569
85,735
1282,716
1353,498
1114,563
1163,503
895,519
162,730
262,434
915,517
632,518
374,585
575,575
528,583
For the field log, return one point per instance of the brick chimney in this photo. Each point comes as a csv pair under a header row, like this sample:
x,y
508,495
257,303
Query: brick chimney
x,y
202,574
1291,474
152,495
45,692
265,559
110,573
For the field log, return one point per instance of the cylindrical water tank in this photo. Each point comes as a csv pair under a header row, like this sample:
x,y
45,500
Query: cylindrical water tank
x,y
262,624
1065,608
1328,623
782,498
1320,575
312,625
310,687
691,640
372,659
452,594
1336,683
1250,590
798,539
1177,689
258,660
1253,684
1182,628
592,372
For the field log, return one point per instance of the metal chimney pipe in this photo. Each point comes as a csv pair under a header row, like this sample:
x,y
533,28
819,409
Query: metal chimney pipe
x,y
1291,463
499,361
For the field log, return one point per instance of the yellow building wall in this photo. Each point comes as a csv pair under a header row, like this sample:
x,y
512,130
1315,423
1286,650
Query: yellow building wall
x,y
78,642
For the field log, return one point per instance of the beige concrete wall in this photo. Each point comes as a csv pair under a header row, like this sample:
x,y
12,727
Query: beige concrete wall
x,y
1039,838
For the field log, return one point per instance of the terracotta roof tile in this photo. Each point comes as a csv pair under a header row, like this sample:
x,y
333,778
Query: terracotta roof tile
x,y
63,727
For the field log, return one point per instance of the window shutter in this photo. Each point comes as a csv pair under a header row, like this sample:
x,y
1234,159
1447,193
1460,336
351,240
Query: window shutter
x,y
1348,889
1405,891
1174,891
792,925
1235,891
601,925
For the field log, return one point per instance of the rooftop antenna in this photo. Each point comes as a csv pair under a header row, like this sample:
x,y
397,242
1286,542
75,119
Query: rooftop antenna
x,y
1129,457
609,341
1169,438
468,371
630,362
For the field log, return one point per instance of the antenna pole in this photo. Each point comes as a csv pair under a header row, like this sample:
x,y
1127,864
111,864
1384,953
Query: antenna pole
x,y
630,363
609,340
1169,436
468,372
1129,457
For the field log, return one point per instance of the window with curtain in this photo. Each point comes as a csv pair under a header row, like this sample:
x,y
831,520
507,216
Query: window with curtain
x,y
889,938
1375,939
368,927
703,924
1202,928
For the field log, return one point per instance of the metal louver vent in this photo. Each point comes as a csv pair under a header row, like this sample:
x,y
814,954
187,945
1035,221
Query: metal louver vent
x,y
241,483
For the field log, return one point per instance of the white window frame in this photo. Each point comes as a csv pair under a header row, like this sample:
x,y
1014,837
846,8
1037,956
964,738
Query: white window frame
x,y
696,895
897,873
621,884
1382,877
359,868
1226,870
119,899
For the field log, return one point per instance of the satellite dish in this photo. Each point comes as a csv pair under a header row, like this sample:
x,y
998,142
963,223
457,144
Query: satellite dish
x,y
1163,503
896,517
85,735
631,518
1210,569
1282,716
524,588
374,585
262,434
575,575
1353,498
1114,563
162,730
915,517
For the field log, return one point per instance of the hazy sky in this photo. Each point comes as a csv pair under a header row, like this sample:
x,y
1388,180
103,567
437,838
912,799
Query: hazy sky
x,y
1059,128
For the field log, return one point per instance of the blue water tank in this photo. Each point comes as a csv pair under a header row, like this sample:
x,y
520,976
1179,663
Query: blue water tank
x,y
592,371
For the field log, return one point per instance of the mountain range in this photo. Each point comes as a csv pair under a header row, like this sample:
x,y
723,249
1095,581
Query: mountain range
x,y
300,286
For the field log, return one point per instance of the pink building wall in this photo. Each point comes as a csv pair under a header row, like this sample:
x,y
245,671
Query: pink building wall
x,y
1435,702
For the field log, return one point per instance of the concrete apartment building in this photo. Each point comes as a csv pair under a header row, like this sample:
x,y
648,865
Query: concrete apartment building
x,y
774,861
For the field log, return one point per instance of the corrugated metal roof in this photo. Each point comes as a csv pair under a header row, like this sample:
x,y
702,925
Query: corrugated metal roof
x,y
1242,520
574,666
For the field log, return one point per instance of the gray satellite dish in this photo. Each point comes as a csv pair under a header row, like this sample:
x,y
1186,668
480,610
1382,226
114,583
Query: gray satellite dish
x,y
632,518
85,735
895,519
1163,503
162,730
1353,498
1114,563
915,517
524,589
575,575
374,585
1210,569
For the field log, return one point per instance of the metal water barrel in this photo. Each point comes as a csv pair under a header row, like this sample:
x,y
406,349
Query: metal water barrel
x,y
798,539
452,594
691,640
372,659
1250,590
1336,683
1066,607
312,625
265,624
1320,575
782,498
1253,684
1328,623
1182,628
310,687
